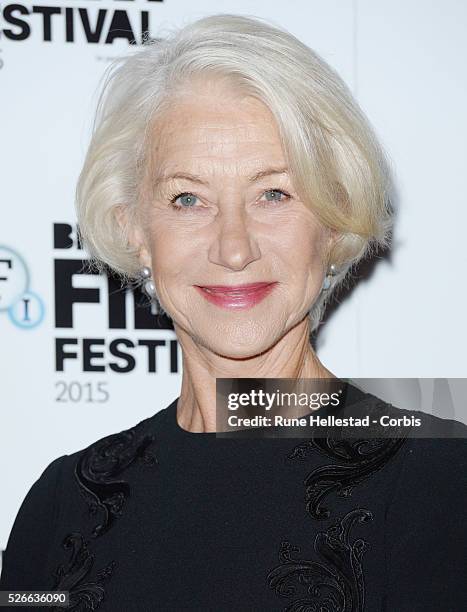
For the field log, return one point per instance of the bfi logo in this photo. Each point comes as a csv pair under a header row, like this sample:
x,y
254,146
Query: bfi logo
x,y
24,307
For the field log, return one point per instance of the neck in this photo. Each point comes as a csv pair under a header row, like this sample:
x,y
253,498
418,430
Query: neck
x,y
291,357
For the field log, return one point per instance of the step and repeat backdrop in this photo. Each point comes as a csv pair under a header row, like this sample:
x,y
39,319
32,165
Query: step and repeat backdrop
x,y
80,357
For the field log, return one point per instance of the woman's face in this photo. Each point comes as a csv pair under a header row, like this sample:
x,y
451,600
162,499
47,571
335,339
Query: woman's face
x,y
225,226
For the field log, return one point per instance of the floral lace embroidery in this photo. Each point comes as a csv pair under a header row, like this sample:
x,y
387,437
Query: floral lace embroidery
x,y
97,469
83,595
336,582
359,459
98,476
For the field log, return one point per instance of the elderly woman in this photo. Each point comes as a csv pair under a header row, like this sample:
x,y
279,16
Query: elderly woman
x,y
232,173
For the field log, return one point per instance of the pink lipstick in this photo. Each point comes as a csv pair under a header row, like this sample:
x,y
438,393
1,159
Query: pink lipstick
x,y
236,296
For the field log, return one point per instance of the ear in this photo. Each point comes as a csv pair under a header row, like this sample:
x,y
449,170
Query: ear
x,y
132,233
333,237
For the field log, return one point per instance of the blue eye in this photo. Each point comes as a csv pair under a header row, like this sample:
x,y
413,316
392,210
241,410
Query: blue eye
x,y
189,200
269,191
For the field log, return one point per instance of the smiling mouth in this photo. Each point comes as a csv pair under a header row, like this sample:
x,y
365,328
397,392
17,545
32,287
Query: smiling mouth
x,y
234,288
236,296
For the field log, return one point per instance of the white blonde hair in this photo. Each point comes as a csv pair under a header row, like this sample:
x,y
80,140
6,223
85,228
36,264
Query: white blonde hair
x,y
336,163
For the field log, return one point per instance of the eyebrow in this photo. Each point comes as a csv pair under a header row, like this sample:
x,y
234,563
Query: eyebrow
x,y
197,179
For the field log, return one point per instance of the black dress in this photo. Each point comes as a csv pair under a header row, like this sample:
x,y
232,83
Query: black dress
x,y
159,518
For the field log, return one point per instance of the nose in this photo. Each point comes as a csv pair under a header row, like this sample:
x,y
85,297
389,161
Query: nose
x,y
234,246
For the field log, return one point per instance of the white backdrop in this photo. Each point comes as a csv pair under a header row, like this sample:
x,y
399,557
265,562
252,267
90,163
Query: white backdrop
x,y
405,61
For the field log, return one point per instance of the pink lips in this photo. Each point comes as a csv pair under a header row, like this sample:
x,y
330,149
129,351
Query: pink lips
x,y
236,296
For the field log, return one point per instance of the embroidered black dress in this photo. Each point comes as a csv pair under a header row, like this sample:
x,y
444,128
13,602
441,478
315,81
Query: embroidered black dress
x,y
159,518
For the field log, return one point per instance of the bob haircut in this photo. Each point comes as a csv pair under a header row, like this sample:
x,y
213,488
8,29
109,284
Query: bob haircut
x,y
336,163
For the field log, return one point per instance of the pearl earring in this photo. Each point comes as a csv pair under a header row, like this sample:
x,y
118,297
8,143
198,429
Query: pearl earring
x,y
332,271
149,287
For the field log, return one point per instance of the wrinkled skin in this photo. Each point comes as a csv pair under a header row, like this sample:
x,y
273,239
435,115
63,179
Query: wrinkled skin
x,y
229,231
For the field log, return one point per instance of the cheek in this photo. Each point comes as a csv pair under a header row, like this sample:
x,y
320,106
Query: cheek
x,y
301,246
177,261
165,246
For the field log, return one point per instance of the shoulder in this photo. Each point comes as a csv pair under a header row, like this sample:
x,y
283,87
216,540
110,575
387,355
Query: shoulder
x,y
432,455
433,476
97,479
434,451
117,451
82,491
388,420
106,456
425,527
28,543
425,536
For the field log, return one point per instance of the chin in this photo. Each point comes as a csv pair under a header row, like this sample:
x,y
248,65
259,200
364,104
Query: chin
x,y
239,353
241,344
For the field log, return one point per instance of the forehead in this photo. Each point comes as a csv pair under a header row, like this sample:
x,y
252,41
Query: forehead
x,y
212,119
